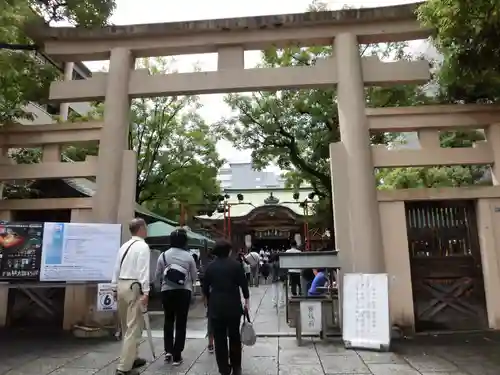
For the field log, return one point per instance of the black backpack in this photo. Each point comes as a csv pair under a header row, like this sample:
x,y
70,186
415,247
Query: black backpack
x,y
174,274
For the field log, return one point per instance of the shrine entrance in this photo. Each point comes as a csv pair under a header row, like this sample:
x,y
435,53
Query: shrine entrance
x,y
272,239
446,271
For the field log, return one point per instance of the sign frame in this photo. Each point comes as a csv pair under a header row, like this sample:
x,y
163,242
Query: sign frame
x,y
105,297
365,311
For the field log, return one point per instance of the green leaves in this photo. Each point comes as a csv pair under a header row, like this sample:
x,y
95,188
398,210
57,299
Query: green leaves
x,y
84,13
293,128
430,177
177,158
25,75
467,34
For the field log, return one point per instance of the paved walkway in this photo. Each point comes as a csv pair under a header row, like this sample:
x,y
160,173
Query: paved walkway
x,y
268,321
451,355
472,354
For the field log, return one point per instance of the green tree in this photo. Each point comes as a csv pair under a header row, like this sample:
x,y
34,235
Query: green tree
x,y
293,128
428,177
25,76
176,150
83,13
177,158
468,37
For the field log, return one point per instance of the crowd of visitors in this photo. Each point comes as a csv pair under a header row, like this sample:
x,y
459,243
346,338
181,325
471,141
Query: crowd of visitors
x,y
224,279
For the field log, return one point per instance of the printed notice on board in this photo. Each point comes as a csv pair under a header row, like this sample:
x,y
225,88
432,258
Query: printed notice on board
x,y
366,311
20,250
310,316
79,251
105,297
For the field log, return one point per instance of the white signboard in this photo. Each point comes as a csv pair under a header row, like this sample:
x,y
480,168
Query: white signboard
x,y
79,252
310,316
105,297
366,322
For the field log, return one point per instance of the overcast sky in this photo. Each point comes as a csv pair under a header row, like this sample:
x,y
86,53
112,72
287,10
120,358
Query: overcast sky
x,y
154,11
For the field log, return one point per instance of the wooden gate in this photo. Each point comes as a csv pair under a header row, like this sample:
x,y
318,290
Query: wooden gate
x,y
35,308
446,272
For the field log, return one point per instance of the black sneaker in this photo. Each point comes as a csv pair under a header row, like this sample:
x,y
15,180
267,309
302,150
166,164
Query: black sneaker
x,y
177,361
139,362
211,349
168,357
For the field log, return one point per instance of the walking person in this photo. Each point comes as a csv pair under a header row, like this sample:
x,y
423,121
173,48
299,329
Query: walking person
x,y
294,273
132,267
265,270
178,270
253,258
306,279
210,333
278,278
245,264
224,278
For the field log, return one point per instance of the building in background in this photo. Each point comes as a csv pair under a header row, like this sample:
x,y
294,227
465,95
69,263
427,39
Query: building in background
x,y
257,210
243,176
45,113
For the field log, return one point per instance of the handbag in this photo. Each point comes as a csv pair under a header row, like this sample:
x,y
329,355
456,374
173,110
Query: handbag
x,y
248,335
174,274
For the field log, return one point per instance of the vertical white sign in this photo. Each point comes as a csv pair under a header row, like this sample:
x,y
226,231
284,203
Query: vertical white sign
x,y
366,323
310,316
105,297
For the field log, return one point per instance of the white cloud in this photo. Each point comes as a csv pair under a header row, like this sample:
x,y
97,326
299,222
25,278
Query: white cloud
x,y
155,11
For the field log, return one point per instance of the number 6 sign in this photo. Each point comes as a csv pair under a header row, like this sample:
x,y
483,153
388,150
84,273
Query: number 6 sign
x,y
105,297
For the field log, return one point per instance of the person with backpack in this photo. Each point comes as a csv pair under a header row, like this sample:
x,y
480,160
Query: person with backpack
x,y
178,270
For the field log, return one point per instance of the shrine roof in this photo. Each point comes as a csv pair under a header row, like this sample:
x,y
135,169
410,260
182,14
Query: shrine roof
x,y
42,32
258,198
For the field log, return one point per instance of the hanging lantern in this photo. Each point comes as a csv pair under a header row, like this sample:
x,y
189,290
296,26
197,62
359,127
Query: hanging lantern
x,y
248,241
298,239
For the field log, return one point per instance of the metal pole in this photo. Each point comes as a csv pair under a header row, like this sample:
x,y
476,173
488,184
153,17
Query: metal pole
x,y
224,218
229,221
181,220
305,226
308,243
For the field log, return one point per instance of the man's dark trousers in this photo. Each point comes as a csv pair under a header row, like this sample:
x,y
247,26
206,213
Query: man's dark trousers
x,y
224,329
295,283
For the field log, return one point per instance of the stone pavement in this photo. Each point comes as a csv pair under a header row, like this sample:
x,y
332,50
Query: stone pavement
x,y
444,355
467,354
267,320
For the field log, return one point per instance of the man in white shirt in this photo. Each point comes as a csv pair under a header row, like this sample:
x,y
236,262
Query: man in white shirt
x,y
253,258
294,273
131,270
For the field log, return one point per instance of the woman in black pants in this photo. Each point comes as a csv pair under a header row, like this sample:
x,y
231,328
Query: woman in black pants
x,y
177,268
223,280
